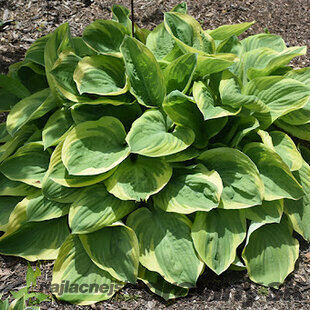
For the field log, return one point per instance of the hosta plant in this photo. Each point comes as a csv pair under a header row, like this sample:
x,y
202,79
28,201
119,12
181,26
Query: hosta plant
x,y
151,156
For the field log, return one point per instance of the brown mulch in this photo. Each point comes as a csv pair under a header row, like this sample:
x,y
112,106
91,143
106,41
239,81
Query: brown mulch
x,y
29,20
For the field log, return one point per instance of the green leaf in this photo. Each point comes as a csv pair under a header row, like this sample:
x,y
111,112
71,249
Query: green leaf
x,y
272,41
286,149
146,78
58,173
95,147
267,212
56,127
121,14
14,188
14,142
278,180
298,211
7,205
162,44
22,166
281,95
40,208
59,41
206,103
216,235
298,117
166,245
139,178
62,73
126,113
114,249
105,36
153,135
28,109
101,75
22,242
81,49
226,31
36,51
184,112
95,208
179,73
188,33
270,254
190,189
159,286
73,266
301,131
181,8
13,86
243,186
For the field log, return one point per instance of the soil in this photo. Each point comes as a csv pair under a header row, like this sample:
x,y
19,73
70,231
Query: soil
x,y
28,20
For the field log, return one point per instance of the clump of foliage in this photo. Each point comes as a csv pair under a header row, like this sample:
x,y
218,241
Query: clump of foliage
x,y
153,156
25,298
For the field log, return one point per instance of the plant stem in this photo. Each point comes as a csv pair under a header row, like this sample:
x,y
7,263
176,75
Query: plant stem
x,y
132,19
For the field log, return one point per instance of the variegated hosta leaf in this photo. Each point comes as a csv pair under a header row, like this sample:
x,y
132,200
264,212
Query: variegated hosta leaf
x,y
184,112
162,44
270,254
216,235
40,208
95,147
24,243
243,186
95,208
226,31
300,131
81,48
56,192
27,165
187,154
267,212
301,75
190,189
101,75
166,246
146,79
14,188
298,211
30,108
151,135
73,266
7,205
232,96
181,8
58,173
114,249
188,33
22,136
179,73
139,178
272,41
300,116
121,14
126,113
281,95
264,61
286,149
159,286
206,103
111,33
278,180
60,40
56,126
209,64
62,73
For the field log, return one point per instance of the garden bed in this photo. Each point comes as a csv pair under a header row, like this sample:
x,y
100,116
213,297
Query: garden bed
x,y
29,20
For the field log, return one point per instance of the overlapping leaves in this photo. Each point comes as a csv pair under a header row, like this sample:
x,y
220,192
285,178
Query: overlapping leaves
x,y
149,157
